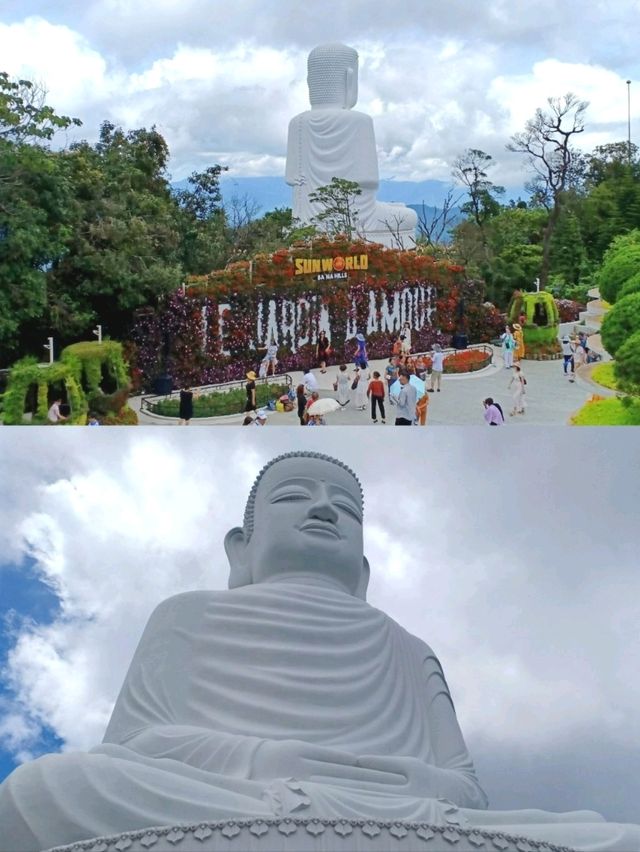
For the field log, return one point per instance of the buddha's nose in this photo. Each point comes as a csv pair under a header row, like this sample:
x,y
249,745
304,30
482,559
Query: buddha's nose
x,y
322,508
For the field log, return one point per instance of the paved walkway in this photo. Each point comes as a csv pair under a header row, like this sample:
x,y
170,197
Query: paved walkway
x,y
551,398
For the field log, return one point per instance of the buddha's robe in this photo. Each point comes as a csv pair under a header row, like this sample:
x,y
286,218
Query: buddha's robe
x,y
332,142
219,674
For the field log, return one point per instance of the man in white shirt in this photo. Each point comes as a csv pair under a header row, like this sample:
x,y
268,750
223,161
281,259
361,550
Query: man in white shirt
x,y
310,382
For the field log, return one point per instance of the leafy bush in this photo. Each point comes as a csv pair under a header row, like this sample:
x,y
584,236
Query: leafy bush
x,y
621,322
125,417
541,340
220,403
109,403
627,364
568,310
620,263
631,285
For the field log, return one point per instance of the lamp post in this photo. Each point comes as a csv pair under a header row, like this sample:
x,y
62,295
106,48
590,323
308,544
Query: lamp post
x,y
98,333
49,346
629,119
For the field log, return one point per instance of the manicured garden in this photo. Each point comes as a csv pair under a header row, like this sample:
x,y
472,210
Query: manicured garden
x,y
221,403
613,411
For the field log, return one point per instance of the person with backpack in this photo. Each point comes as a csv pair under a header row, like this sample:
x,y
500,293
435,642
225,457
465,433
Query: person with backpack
x,y
493,414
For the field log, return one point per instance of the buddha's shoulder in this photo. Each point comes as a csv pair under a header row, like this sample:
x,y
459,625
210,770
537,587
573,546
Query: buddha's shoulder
x,y
186,604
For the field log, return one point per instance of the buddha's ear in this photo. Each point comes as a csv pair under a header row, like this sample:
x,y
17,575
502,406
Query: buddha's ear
x,y
235,546
351,88
361,590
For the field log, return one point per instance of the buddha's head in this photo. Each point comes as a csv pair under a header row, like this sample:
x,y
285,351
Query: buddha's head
x,y
303,521
332,76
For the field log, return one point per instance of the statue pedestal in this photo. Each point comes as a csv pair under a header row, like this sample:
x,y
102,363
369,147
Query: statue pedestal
x,y
310,835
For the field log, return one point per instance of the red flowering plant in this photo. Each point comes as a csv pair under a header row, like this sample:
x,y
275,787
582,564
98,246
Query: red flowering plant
x,y
213,332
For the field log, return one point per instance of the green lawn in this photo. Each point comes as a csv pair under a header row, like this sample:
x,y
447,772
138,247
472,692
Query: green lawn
x,y
608,412
221,403
604,375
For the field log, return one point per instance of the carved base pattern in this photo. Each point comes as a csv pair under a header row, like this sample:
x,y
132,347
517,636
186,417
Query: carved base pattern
x,y
315,835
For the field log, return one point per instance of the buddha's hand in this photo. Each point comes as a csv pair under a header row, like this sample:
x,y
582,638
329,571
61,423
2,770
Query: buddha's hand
x,y
402,776
297,759
323,765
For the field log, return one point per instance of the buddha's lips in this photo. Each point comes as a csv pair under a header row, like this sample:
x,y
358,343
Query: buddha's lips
x,y
319,526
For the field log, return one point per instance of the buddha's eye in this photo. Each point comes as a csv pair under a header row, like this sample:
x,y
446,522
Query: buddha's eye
x,y
289,497
349,509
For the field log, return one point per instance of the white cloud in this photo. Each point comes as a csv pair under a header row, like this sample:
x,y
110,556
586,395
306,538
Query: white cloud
x,y
224,88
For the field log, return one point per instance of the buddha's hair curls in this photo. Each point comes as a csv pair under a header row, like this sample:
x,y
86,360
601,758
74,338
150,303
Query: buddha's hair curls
x,y
297,454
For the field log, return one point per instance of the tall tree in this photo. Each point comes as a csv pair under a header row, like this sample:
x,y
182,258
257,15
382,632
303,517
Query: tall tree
x,y
547,141
204,243
35,199
471,170
123,251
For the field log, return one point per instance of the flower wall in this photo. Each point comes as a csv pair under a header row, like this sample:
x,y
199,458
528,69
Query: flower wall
x,y
217,328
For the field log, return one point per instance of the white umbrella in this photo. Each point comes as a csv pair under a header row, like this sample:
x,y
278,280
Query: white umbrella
x,y
324,406
419,385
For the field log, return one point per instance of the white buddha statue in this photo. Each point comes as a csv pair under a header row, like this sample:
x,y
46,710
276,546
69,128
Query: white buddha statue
x,y
280,710
333,140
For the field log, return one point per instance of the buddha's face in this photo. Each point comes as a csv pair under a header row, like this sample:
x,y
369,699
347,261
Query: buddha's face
x,y
307,524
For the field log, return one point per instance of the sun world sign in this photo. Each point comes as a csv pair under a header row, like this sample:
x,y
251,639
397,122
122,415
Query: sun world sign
x,y
330,268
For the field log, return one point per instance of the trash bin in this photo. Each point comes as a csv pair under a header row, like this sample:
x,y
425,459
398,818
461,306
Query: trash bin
x,y
459,341
163,385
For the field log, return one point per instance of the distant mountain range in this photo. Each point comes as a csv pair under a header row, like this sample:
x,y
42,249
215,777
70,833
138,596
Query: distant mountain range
x,y
272,192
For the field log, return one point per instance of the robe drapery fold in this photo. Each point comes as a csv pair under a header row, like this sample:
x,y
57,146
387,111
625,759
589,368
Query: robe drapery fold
x,y
217,675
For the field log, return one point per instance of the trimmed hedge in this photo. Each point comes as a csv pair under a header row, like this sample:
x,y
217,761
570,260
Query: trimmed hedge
x,y
28,372
621,322
620,263
627,364
91,356
218,404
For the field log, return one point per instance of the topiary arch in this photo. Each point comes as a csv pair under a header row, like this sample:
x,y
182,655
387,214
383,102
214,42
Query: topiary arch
x,y
87,359
542,321
28,372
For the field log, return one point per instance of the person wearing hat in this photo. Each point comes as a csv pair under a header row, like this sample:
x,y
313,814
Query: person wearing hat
x,y
250,388
261,417
361,359
568,351
518,352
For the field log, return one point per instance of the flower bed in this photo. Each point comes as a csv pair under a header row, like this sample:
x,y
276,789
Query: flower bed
x,y
221,403
218,328
462,361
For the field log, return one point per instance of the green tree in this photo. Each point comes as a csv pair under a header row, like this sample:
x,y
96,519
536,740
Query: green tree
x,y
611,205
557,166
339,214
204,243
35,199
123,251
471,170
24,115
620,323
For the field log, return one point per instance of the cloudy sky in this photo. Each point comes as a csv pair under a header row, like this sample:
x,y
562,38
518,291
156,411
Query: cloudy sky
x,y
222,80
514,556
